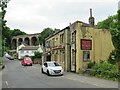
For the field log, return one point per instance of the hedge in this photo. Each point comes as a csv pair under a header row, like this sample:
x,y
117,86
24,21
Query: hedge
x,y
106,70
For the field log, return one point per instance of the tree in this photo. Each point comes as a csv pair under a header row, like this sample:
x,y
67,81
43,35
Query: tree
x,y
8,34
17,32
3,5
44,34
109,23
112,23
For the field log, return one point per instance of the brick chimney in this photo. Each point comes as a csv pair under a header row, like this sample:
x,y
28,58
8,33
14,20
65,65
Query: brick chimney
x,y
91,19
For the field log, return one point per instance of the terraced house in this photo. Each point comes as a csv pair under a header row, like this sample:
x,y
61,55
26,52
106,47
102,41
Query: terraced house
x,y
78,44
58,48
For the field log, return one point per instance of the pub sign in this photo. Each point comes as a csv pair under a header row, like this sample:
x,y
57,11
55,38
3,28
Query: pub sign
x,y
86,44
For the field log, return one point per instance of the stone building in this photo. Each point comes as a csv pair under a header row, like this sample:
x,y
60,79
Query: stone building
x,y
58,48
88,44
79,44
27,40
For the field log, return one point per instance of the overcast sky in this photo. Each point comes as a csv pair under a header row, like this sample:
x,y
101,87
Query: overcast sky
x,y
32,16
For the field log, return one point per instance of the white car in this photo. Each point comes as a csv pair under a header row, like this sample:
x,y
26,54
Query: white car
x,y
52,68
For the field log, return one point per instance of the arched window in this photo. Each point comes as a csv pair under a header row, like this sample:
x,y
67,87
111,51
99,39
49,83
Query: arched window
x,y
27,41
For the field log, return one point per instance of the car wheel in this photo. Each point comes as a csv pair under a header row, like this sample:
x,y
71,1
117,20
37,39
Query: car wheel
x,y
42,70
61,74
31,64
48,73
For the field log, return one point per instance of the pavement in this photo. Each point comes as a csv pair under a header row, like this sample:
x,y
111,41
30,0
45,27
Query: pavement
x,y
88,79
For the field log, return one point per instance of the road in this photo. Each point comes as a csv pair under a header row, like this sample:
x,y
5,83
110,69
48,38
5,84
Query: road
x,y
17,76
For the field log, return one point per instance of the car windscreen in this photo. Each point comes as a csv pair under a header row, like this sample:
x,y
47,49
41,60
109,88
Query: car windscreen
x,y
53,64
27,58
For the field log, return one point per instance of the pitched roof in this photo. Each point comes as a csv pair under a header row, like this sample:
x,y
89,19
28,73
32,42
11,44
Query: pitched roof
x,y
30,48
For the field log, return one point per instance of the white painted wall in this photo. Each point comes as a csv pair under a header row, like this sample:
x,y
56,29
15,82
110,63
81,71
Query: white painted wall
x,y
22,53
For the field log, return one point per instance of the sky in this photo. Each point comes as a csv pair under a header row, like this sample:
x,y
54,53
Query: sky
x,y
32,16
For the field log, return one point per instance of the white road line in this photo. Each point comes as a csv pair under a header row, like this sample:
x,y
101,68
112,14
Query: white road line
x,y
7,84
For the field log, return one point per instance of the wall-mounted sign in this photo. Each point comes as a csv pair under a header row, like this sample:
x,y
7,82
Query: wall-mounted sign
x,y
58,47
86,44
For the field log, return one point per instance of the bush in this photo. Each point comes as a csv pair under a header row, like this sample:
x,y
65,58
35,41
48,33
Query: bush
x,y
105,70
112,57
38,54
91,64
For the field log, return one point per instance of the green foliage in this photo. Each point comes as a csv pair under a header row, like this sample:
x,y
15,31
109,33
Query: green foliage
x,y
110,22
105,70
17,32
113,24
91,64
44,34
6,32
1,61
112,57
7,35
118,20
36,55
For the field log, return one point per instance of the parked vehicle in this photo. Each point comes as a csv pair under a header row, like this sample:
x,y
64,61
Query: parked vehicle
x,y
26,61
9,57
52,68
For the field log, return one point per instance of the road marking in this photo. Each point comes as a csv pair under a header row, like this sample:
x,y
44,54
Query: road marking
x,y
71,78
7,84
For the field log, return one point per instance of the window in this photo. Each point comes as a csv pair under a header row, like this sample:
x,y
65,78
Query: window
x,y
56,42
73,37
45,64
62,38
27,58
86,55
27,51
53,64
22,52
53,41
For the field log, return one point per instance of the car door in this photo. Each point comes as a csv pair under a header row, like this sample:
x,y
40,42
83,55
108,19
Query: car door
x,y
45,67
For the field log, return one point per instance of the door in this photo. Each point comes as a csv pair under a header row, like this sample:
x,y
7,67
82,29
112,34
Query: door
x,y
48,58
73,61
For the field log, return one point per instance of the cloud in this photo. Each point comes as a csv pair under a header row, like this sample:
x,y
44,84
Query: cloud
x,y
34,15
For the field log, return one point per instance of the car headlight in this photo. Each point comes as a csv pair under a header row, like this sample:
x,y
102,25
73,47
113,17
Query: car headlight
x,y
50,69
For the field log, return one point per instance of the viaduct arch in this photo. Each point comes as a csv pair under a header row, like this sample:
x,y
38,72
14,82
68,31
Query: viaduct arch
x,y
28,40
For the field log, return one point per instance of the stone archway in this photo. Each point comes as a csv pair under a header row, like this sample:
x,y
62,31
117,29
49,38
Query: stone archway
x,y
20,41
14,44
27,41
34,41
